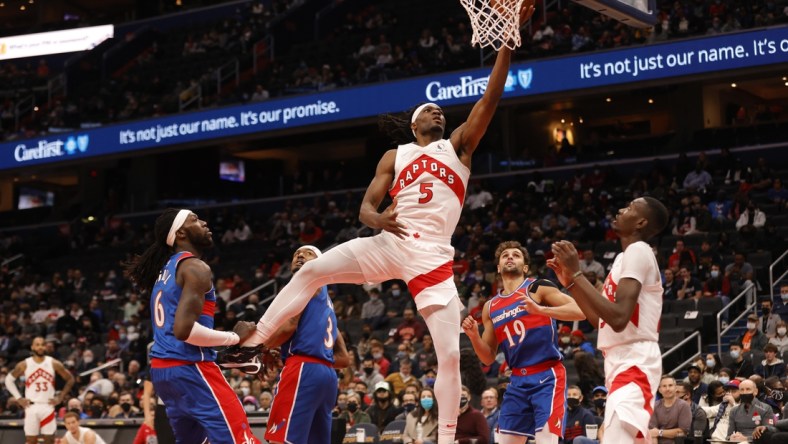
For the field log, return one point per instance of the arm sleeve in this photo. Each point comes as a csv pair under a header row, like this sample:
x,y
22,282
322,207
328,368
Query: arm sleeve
x,y
10,385
202,336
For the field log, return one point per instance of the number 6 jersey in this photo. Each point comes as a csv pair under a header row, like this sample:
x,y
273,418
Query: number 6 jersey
x,y
526,339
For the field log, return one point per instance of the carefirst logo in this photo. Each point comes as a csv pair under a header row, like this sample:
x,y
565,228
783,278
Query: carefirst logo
x,y
57,148
468,87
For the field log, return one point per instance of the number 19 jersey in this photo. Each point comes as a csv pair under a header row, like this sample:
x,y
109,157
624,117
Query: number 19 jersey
x,y
526,339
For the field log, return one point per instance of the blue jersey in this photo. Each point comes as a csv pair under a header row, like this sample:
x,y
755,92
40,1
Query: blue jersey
x,y
164,301
316,331
526,339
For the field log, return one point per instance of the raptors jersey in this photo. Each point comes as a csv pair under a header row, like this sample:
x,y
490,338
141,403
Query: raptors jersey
x,y
429,184
316,331
526,339
637,262
164,301
39,380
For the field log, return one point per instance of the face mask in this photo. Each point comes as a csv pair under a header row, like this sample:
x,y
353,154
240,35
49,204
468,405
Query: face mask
x,y
258,275
401,355
600,403
715,273
765,311
777,395
377,355
724,379
429,381
751,325
369,370
408,407
746,398
352,407
381,400
784,297
342,405
710,363
122,336
735,354
245,390
565,339
573,403
426,403
249,408
126,407
463,401
395,293
781,331
87,359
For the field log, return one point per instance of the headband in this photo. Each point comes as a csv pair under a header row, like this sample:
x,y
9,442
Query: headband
x,y
418,110
177,223
312,248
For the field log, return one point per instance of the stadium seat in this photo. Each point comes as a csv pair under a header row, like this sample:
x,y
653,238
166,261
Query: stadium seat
x,y
760,259
370,434
683,306
668,321
392,433
672,336
710,305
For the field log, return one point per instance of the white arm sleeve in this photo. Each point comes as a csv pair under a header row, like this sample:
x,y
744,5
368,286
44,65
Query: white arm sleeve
x,y
10,385
202,336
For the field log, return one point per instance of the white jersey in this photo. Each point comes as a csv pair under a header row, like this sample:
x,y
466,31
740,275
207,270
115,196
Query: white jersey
x,y
39,380
429,184
637,262
70,439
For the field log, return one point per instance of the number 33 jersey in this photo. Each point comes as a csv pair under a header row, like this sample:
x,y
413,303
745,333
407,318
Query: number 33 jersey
x,y
39,380
316,331
429,184
526,339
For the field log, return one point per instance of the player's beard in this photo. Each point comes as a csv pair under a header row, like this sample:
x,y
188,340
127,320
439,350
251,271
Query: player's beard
x,y
201,241
39,355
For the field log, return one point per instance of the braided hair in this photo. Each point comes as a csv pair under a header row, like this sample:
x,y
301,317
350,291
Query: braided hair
x,y
397,126
144,269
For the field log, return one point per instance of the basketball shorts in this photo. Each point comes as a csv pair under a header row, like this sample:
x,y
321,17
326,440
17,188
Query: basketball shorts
x,y
534,401
40,419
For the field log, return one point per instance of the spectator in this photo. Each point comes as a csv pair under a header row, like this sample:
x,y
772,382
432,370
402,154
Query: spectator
x,y
250,404
700,423
373,311
697,387
751,219
408,404
260,94
720,209
780,338
398,300
771,364
410,329
719,414
599,399
354,413
577,416
688,286
594,280
767,322
590,264
421,425
777,194
713,395
752,338
265,400
471,423
491,411
748,414
581,344
698,179
383,410
371,374
125,407
399,380
738,273
711,370
669,286
682,257
740,367
668,423
382,364
478,198
717,285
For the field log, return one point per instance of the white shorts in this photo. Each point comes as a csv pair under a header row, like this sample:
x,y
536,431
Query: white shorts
x,y
40,420
425,265
632,373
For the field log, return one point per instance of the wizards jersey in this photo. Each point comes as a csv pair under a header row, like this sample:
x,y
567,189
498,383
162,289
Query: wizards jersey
x,y
526,339
316,331
164,301
429,184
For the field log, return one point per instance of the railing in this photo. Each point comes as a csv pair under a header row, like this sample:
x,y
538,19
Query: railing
x,y
673,349
195,96
56,85
227,71
720,332
255,290
773,281
23,106
11,259
267,51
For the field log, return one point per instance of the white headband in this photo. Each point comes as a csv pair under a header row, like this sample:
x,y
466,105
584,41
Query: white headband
x,y
177,223
311,248
419,110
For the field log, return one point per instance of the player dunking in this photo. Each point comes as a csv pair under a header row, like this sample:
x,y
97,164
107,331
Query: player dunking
x,y
519,318
627,314
311,349
39,401
199,402
427,179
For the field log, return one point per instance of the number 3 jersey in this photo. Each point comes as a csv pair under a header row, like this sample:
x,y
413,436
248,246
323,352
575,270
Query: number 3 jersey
x,y
526,339
316,331
429,184
39,380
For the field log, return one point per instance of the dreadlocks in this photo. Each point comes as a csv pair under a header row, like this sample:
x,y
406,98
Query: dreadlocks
x,y
397,127
144,270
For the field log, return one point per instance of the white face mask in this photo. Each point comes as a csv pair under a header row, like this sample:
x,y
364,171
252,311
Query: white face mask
x,y
751,325
781,331
245,390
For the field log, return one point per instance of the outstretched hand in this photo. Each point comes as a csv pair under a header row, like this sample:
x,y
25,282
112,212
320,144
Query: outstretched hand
x,y
388,221
527,11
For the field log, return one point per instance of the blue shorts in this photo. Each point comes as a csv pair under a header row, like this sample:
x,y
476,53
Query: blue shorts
x,y
533,402
200,403
305,396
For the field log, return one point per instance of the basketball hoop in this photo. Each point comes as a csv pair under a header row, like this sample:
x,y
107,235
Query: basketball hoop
x,y
495,23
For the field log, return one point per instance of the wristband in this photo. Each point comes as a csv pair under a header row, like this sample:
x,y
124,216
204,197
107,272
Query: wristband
x,y
203,336
577,274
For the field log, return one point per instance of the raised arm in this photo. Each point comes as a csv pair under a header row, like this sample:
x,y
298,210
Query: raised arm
x,y
376,191
549,301
466,137
485,346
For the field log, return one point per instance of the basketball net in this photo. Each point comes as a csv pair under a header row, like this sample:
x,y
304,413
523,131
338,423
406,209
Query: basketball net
x,y
495,23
